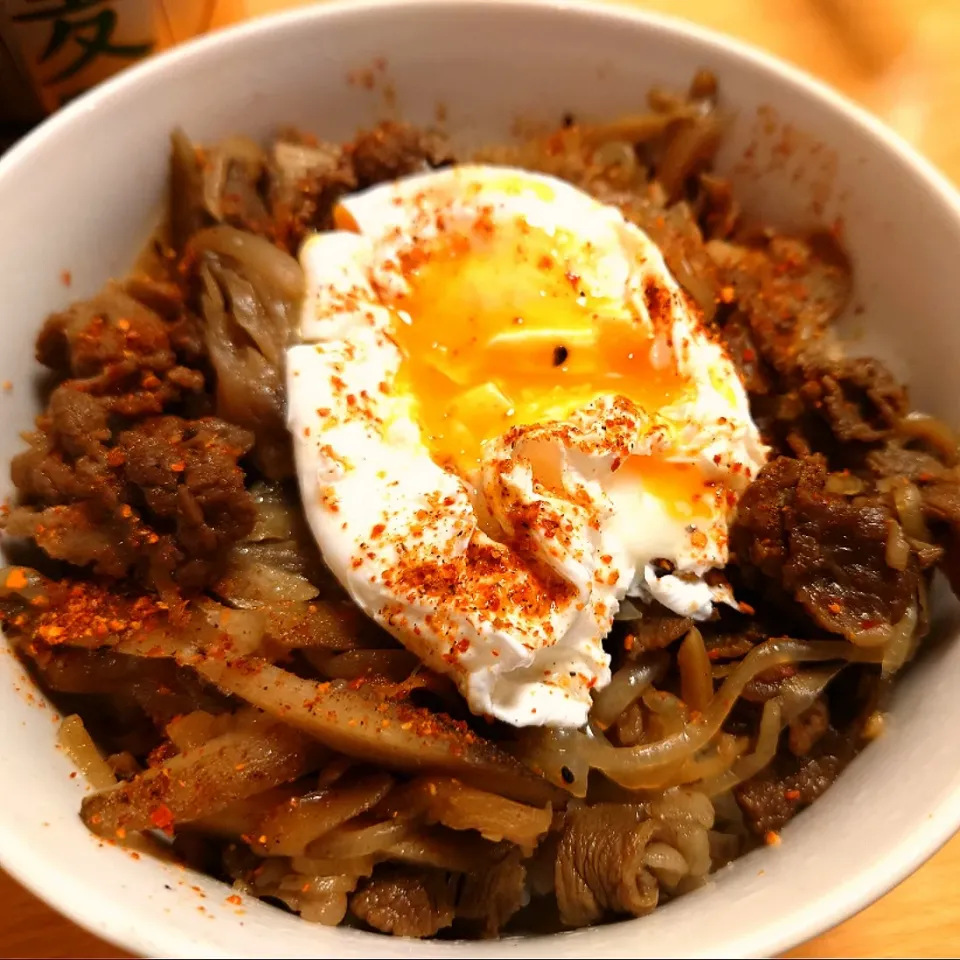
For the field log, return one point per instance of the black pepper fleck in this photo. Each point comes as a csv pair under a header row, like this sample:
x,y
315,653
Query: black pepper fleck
x,y
567,775
560,354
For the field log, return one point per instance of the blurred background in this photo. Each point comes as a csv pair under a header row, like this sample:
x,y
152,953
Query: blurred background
x,y
898,58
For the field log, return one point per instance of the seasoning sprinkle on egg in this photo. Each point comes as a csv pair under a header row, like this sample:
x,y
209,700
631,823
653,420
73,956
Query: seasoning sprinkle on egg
x,y
553,417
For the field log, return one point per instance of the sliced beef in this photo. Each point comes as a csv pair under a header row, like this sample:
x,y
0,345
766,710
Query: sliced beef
x,y
165,299
308,178
393,150
789,289
494,893
840,408
74,430
784,294
743,351
937,485
122,352
190,481
941,507
828,552
807,729
600,868
235,173
656,628
766,685
941,503
406,902
896,460
859,398
772,798
734,635
293,191
162,499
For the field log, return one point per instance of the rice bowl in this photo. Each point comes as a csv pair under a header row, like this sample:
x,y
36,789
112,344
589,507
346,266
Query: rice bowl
x,y
849,135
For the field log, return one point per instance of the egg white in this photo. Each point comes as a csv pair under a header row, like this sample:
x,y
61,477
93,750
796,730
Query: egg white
x,y
392,524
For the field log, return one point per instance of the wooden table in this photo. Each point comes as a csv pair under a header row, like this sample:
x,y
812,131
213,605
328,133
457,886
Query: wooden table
x,y
901,59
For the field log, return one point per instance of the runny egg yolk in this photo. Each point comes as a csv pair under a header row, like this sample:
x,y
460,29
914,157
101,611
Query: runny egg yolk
x,y
680,486
496,330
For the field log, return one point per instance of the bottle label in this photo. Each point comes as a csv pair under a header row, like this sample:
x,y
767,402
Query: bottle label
x,y
68,46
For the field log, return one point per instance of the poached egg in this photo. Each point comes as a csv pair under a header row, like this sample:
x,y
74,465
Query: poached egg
x,y
507,416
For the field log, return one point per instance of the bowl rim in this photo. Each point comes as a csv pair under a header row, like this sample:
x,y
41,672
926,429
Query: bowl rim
x,y
803,922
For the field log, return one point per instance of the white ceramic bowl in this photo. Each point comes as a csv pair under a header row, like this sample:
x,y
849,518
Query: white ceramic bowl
x,y
82,193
